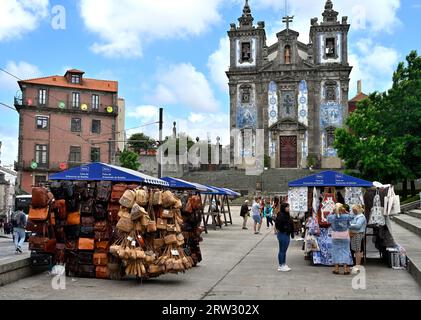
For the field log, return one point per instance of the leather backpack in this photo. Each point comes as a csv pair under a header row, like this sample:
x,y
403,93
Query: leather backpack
x,y
40,197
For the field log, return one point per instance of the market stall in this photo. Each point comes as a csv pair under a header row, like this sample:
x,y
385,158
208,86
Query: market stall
x,y
317,195
106,221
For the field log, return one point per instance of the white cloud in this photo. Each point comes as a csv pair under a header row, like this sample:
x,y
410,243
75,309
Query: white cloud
x,y
218,64
146,113
373,64
20,16
184,85
125,26
215,124
370,16
21,69
9,148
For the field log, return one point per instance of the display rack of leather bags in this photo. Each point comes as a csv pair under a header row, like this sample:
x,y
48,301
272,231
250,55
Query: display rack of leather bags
x,y
42,242
191,215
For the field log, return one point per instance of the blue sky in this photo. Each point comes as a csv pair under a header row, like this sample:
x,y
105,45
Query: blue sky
x,y
174,53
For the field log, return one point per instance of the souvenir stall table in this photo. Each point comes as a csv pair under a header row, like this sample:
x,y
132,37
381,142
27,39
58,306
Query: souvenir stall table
x,y
106,221
304,195
218,203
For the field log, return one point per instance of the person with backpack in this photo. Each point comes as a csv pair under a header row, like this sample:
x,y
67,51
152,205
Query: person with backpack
x,y
284,231
19,225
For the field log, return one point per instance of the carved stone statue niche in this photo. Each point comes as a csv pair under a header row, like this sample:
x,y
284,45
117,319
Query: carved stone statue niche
x,y
287,54
246,52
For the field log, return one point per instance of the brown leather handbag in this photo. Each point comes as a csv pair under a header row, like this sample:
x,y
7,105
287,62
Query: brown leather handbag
x,y
40,197
171,227
128,199
102,246
61,209
86,244
43,244
73,218
170,239
100,259
117,191
102,272
158,243
88,221
101,226
71,245
38,214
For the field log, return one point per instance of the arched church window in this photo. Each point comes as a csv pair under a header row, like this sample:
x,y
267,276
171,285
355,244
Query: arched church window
x,y
287,54
246,52
330,48
330,137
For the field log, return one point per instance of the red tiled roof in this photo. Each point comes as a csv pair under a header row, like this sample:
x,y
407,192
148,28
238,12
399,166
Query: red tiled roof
x,y
359,97
74,71
87,84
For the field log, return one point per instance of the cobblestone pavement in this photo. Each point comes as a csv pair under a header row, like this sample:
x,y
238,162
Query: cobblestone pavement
x,y
237,265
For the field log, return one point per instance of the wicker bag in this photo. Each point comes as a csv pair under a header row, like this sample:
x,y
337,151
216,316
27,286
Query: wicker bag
x,y
161,224
167,214
170,239
128,199
137,212
125,224
141,197
168,199
157,198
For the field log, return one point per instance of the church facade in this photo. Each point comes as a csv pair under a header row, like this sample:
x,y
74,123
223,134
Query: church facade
x,y
296,93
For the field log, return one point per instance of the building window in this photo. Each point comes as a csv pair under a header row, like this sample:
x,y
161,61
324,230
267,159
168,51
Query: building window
x,y
95,154
287,54
42,97
246,52
288,104
96,126
75,154
330,48
330,137
41,154
75,99
245,94
95,101
75,78
40,180
76,125
42,122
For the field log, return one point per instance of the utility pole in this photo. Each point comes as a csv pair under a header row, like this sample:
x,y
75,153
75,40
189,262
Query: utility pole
x,y
161,111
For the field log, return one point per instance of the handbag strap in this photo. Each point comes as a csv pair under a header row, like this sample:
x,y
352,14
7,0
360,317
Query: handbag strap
x,y
150,207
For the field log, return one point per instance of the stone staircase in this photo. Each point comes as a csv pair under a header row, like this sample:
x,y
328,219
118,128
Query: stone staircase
x,y
406,229
270,181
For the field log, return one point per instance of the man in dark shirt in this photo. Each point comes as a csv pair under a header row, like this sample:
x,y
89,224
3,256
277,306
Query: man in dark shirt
x,y
245,213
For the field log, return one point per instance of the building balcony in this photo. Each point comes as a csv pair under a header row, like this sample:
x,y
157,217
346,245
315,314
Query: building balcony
x,y
66,105
46,167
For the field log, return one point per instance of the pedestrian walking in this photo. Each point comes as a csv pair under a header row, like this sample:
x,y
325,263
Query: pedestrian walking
x,y
357,233
267,213
341,251
1,226
19,225
256,215
284,231
245,213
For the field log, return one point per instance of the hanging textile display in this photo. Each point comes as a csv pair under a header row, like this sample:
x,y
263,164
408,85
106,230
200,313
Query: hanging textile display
x,y
297,199
376,214
353,196
327,206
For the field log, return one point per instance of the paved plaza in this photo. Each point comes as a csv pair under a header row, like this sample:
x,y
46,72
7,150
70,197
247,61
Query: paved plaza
x,y
237,265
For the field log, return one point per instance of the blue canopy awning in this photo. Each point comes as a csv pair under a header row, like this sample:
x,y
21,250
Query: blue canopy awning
x,y
330,179
216,191
99,171
176,183
231,193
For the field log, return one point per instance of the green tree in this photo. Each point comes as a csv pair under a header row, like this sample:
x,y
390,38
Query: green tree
x,y
129,159
139,141
384,140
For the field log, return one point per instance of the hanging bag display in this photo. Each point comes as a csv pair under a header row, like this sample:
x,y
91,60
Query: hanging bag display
x,y
141,197
327,207
137,212
392,203
376,215
128,199
168,199
125,224
152,225
73,218
157,198
117,191
38,214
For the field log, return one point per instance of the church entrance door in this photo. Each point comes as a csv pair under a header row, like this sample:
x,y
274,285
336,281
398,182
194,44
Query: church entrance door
x,y
288,151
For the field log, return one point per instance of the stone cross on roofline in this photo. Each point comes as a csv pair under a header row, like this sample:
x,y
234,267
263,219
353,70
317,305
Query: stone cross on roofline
x,y
287,20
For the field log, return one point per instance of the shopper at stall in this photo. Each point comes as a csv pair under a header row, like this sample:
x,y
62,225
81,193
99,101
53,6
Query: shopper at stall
x,y
357,232
284,231
245,213
341,253
268,213
256,215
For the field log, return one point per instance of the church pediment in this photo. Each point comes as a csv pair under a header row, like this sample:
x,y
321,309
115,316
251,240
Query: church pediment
x,y
288,124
